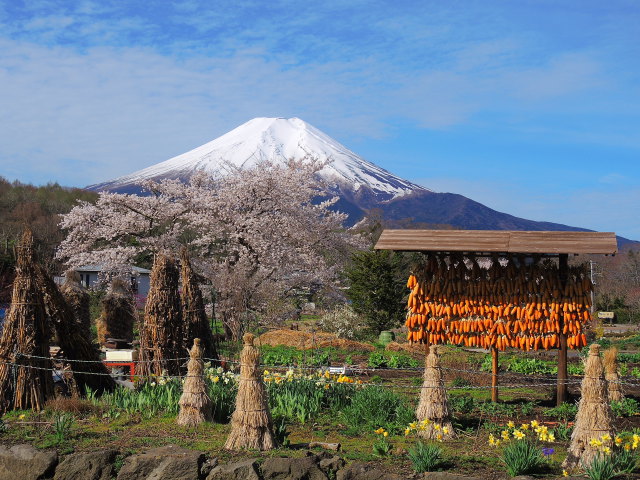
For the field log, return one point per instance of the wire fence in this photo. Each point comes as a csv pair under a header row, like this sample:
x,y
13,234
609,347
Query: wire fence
x,y
531,380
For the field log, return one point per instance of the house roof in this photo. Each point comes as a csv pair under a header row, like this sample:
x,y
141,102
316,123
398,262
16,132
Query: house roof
x,y
500,241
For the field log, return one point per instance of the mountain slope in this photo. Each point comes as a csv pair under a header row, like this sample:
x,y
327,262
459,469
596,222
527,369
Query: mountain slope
x,y
278,139
361,185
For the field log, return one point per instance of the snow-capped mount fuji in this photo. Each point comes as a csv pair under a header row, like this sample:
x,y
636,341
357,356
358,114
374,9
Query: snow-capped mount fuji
x,y
361,185
276,139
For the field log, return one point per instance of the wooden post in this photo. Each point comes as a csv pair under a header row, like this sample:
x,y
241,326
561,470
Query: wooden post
x,y
563,270
494,374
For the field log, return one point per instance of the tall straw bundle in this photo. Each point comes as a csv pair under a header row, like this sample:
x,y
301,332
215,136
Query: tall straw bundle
x,y
251,424
161,330
433,405
25,339
195,404
611,374
78,299
594,418
196,323
118,314
75,343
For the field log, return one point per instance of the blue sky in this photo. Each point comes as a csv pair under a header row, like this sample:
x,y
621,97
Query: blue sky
x,y
530,107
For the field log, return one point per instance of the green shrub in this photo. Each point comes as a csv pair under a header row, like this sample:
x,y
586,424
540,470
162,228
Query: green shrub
x,y
425,457
296,400
527,408
531,366
62,425
629,357
575,369
601,468
462,403
627,407
625,461
374,407
563,431
565,412
497,409
223,399
522,456
383,359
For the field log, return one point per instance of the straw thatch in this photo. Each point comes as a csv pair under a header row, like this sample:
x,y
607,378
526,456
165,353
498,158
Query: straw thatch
x,y
78,299
433,405
251,424
594,418
195,404
25,339
118,314
196,322
75,343
611,374
161,329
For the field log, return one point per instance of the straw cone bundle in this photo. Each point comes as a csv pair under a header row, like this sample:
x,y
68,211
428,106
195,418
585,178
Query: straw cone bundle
x,y
78,299
594,418
611,374
161,339
195,404
433,404
196,323
118,313
75,343
251,424
25,336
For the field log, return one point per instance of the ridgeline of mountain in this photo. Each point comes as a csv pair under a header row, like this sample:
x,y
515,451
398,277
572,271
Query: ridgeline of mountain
x,y
361,185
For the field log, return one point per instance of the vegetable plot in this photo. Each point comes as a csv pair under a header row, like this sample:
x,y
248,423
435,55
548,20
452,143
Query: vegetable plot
x,y
506,302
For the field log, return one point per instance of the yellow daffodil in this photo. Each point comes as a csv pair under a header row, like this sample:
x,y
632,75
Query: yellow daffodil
x,y
412,425
379,431
605,438
492,439
385,434
439,437
445,430
265,373
518,435
565,473
216,379
618,440
627,446
524,426
505,434
534,423
437,427
551,437
606,450
511,424
407,431
21,416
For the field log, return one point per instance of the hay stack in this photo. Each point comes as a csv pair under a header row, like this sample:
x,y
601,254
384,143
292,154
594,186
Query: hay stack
x,y
433,404
26,332
195,404
251,424
594,418
196,323
75,343
77,298
118,313
611,375
161,329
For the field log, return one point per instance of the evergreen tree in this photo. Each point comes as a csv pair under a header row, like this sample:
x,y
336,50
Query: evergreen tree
x,y
377,287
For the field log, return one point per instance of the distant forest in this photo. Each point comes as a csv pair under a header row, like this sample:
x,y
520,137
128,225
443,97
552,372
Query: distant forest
x,y
37,208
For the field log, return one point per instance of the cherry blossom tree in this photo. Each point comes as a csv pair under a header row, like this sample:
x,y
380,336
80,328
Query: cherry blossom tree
x,y
254,233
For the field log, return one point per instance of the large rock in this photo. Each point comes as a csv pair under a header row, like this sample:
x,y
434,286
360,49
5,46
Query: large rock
x,y
23,462
244,470
87,466
365,471
305,468
164,463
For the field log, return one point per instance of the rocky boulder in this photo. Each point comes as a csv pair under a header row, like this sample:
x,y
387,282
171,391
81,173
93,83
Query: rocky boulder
x,y
88,466
24,462
166,463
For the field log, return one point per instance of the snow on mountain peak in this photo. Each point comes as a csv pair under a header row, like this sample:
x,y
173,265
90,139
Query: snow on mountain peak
x,y
277,139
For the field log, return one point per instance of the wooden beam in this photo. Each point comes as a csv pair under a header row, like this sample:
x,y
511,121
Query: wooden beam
x,y
563,271
494,374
